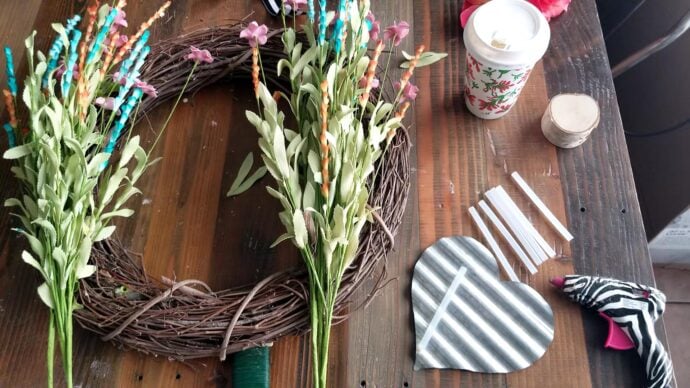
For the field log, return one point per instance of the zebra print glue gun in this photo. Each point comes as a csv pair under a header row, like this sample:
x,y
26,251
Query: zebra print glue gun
x,y
631,310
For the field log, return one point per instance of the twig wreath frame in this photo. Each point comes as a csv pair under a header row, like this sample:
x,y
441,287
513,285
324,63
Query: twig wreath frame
x,y
187,320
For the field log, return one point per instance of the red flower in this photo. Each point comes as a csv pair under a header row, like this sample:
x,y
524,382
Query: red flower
x,y
504,85
470,97
551,8
486,105
503,108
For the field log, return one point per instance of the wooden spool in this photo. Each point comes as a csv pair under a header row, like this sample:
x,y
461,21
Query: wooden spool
x,y
569,119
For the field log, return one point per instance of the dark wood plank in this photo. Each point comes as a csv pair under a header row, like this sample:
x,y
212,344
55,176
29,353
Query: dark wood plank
x,y
600,192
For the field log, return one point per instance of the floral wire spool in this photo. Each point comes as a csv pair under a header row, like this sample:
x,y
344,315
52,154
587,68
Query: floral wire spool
x,y
186,320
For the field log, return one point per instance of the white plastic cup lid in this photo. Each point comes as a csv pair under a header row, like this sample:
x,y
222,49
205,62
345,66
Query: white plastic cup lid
x,y
507,32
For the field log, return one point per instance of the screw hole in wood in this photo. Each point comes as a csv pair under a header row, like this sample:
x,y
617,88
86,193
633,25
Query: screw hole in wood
x,y
140,377
363,383
406,384
178,376
623,211
582,209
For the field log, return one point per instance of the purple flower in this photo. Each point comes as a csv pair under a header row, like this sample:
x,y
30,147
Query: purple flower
x,y
147,88
107,103
374,82
199,56
120,19
61,70
291,5
409,92
396,32
255,34
119,78
121,40
375,26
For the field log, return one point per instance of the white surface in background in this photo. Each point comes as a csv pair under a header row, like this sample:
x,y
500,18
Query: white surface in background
x,y
672,245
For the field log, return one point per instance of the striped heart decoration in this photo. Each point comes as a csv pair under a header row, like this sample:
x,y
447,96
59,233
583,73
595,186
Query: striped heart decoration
x,y
466,318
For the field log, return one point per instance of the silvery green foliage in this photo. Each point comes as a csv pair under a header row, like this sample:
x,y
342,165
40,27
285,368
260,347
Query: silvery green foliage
x,y
69,200
328,227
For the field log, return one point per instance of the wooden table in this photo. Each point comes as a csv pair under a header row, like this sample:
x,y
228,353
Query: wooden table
x,y
185,226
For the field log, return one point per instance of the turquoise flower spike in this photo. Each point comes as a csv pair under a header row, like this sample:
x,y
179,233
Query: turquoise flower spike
x,y
96,48
73,56
127,63
11,80
310,11
131,78
121,122
10,135
56,48
322,21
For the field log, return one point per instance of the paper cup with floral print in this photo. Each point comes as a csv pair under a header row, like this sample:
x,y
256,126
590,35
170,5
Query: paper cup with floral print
x,y
504,39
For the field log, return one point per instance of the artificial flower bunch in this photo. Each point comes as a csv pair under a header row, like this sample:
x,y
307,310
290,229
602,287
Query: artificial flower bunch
x,y
549,8
76,110
324,166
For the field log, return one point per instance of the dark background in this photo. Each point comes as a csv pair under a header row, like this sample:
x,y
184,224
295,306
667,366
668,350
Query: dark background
x,y
653,96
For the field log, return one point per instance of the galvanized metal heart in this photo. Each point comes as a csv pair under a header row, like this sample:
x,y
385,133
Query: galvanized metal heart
x,y
467,318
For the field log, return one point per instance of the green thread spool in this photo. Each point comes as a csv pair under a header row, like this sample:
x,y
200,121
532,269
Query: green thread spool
x,y
251,368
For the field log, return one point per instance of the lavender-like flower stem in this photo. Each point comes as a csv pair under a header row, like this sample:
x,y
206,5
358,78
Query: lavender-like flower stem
x,y
56,48
73,56
322,21
96,48
121,122
11,80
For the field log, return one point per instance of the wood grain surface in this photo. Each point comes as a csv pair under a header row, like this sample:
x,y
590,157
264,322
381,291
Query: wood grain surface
x,y
186,227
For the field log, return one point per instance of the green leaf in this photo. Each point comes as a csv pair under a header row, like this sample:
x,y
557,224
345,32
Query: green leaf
x,y
128,151
12,202
28,259
94,166
309,197
300,229
85,271
17,152
112,186
258,174
280,154
104,233
44,294
242,172
59,256
118,213
427,58
280,239
307,57
48,227
84,252
34,243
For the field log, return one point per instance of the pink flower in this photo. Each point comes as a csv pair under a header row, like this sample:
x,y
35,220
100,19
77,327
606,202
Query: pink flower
x,y
291,5
107,103
119,79
120,19
199,56
409,93
375,29
147,88
61,70
374,82
396,32
121,40
255,34
551,8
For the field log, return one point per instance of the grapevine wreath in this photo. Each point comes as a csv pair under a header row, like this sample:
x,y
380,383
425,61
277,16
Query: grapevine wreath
x,y
186,319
